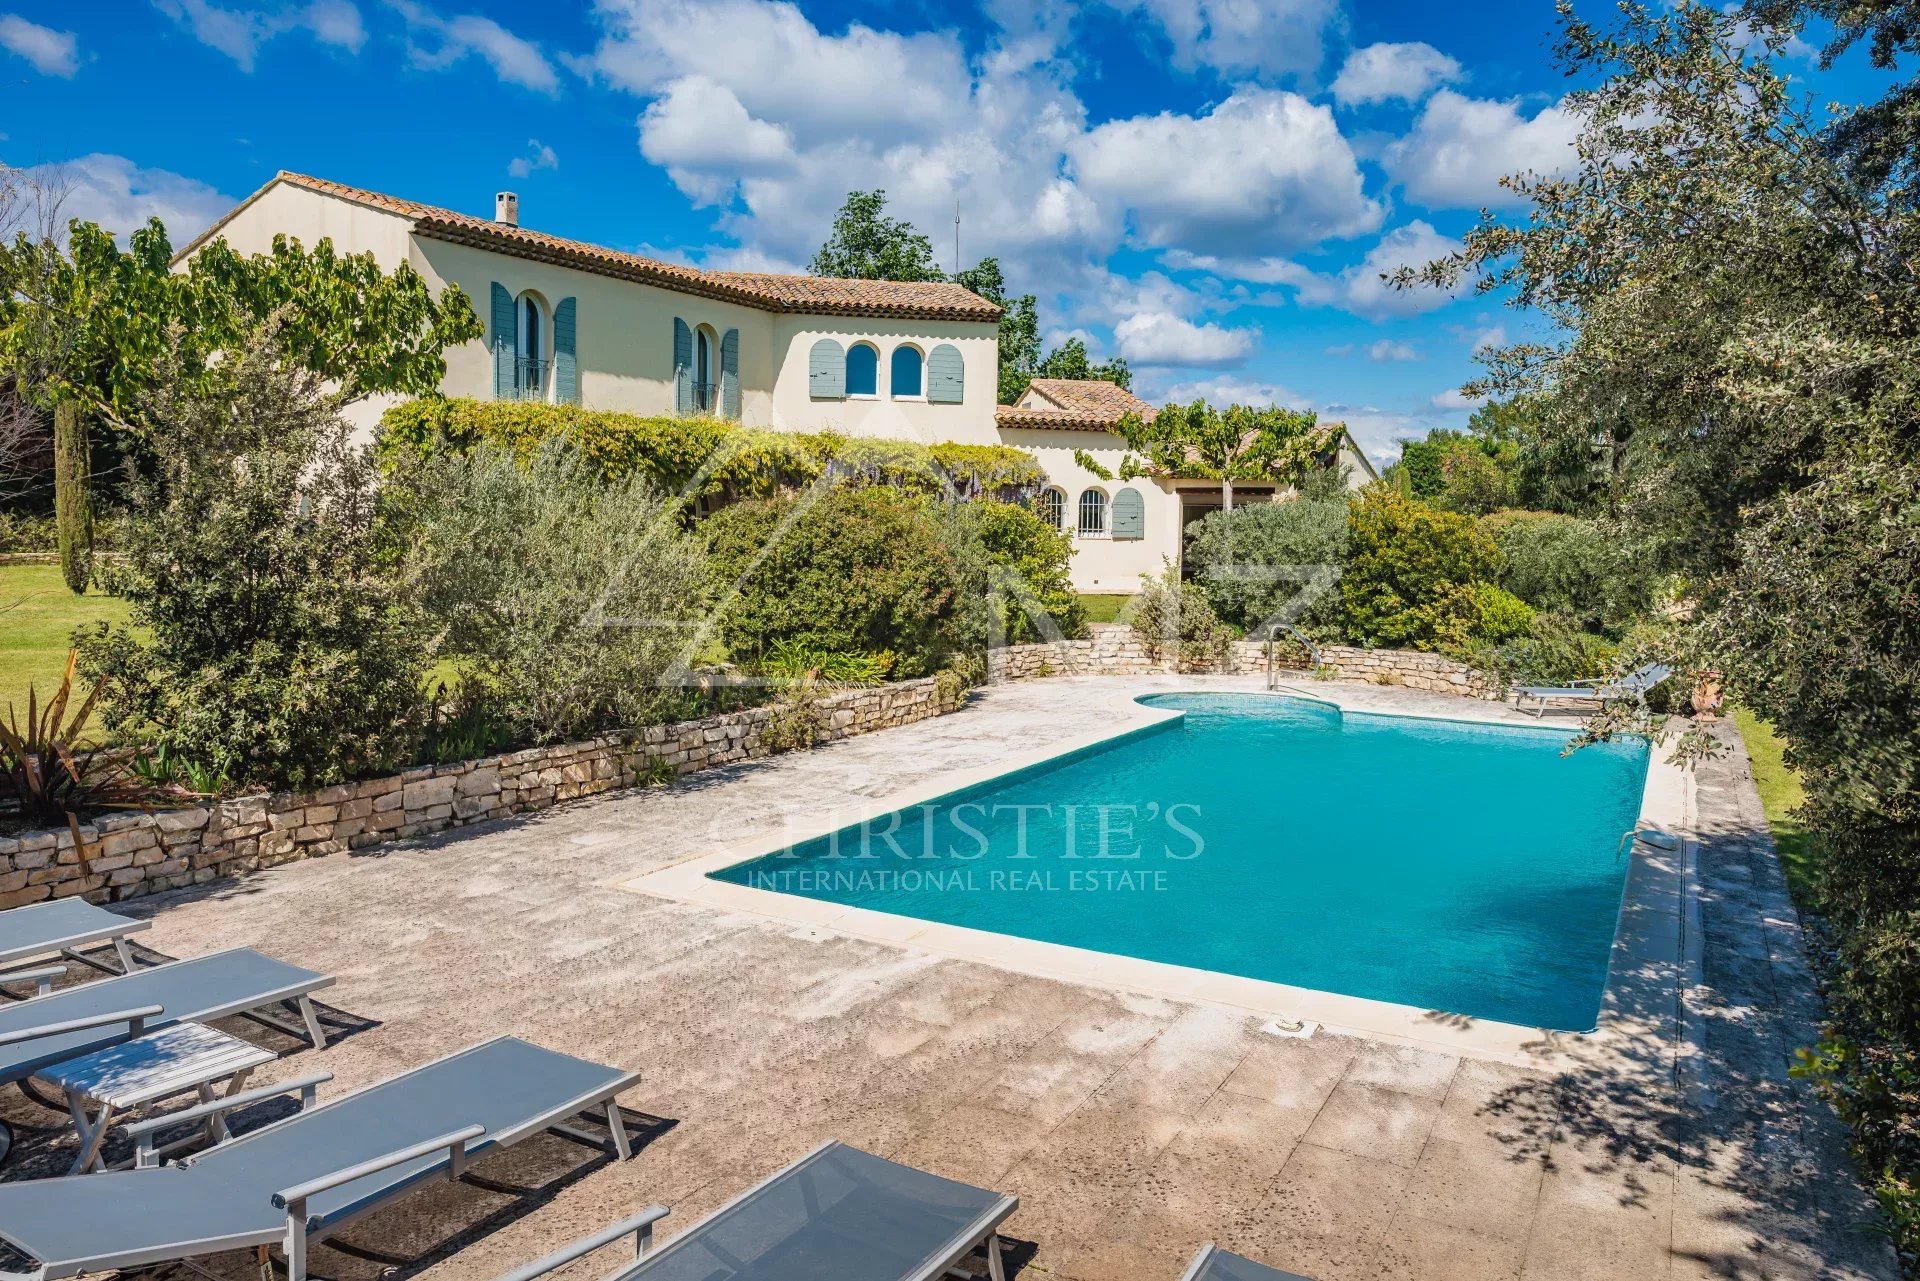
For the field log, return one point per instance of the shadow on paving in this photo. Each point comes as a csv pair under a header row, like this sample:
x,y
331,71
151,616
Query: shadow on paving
x,y
1764,1184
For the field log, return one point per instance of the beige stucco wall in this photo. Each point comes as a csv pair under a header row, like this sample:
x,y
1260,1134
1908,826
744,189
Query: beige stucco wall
x,y
970,421
1102,563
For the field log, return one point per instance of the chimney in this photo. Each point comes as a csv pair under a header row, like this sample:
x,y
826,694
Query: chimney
x,y
506,208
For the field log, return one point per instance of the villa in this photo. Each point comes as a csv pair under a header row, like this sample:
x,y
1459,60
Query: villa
x,y
575,323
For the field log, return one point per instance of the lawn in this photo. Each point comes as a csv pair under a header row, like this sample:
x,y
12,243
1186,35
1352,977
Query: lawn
x,y
1104,608
37,617
1781,795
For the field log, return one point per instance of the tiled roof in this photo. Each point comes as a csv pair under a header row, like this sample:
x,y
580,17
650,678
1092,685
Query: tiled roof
x,y
1067,419
769,292
1093,395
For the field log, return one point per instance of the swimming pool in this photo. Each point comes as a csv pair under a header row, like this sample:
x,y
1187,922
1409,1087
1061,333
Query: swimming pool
x,y
1458,867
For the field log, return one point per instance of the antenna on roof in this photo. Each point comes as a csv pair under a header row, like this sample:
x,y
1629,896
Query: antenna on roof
x,y
956,237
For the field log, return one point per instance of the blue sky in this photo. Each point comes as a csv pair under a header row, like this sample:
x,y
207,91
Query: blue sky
x,y
1208,187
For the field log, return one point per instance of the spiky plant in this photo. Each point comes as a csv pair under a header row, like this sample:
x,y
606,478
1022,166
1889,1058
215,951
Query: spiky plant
x,y
44,776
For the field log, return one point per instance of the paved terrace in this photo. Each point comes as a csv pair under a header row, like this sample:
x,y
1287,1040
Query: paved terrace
x,y
1131,1128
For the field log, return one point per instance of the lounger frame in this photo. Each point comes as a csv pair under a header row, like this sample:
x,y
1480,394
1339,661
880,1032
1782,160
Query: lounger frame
x,y
115,930
984,1230
300,1231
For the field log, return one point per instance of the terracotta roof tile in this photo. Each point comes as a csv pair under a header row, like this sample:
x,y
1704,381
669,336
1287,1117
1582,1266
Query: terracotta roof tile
x,y
1068,419
766,291
1093,395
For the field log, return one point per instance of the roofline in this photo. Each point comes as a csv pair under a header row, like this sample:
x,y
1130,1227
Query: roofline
x,y
635,269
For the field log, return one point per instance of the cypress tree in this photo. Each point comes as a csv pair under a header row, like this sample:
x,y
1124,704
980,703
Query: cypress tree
x,y
72,504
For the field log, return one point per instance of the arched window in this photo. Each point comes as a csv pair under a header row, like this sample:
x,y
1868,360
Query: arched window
x,y
906,372
705,388
863,370
533,357
1053,507
1093,512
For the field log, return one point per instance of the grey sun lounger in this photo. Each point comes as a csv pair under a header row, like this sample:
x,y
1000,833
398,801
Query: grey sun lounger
x,y
60,928
1211,1263
91,1016
836,1214
298,1180
1635,684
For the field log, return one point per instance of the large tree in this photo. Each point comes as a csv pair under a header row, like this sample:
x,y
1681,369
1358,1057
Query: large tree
x,y
867,245
1735,310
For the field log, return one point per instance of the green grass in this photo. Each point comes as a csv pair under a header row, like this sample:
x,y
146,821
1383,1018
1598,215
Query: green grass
x,y
1780,794
1103,608
37,618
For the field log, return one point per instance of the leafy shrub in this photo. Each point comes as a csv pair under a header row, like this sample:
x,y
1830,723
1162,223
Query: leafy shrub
x,y
1019,562
1272,562
1482,614
573,599
1572,566
865,570
702,457
1406,564
793,660
26,531
267,626
1177,624
796,722
1553,651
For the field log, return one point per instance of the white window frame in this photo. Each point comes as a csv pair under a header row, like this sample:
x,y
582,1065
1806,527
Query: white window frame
x,y
845,382
1080,514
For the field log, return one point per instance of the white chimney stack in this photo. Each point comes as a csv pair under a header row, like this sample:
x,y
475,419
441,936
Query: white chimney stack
x,y
506,208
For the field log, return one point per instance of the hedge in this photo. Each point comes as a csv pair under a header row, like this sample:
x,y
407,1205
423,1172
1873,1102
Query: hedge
x,y
706,457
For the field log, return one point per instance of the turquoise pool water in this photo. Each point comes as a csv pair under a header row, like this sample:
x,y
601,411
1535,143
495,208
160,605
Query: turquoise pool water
x,y
1460,868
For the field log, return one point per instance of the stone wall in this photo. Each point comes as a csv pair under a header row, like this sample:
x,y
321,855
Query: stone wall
x,y
1117,650
139,853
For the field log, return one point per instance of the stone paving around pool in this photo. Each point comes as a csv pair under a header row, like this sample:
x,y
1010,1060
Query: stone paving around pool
x,y
1132,1128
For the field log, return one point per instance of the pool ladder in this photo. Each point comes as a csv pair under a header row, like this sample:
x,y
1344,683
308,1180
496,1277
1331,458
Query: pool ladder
x,y
1273,631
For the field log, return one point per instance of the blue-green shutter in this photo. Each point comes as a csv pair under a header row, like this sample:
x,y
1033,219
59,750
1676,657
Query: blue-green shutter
x,y
682,367
506,341
827,371
566,365
1129,514
946,375
730,375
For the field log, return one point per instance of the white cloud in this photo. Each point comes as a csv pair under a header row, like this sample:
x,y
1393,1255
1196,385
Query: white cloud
x,y
1484,339
1265,169
120,196
52,53
1393,72
239,33
701,134
514,60
1387,349
1361,288
1161,338
1461,147
539,156
1274,38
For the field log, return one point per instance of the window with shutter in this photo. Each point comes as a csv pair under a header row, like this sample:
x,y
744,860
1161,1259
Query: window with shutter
x,y
566,364
1129,514
827,371
506,342
905,374
946,375
730,375
682,367
863,370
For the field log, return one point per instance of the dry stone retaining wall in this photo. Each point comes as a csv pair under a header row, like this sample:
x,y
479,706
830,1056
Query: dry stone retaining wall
x,y
1119,651
139,853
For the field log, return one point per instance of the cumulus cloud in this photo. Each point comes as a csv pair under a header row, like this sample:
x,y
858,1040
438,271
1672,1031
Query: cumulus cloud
x,y
452,40
1455,399
1393,72
1460,148
120,195
1387,350
1362,288
1162,338
52,53
1265,169
539,156
702,135
1272,38
239,33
